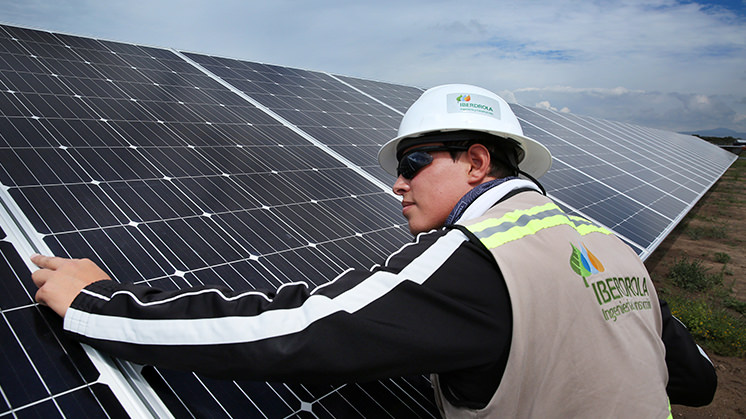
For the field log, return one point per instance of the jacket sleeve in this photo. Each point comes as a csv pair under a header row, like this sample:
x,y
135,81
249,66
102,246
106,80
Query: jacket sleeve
x,y
417,314
692,379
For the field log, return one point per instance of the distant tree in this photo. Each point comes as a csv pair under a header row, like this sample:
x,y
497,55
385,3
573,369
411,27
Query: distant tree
x,y
718,140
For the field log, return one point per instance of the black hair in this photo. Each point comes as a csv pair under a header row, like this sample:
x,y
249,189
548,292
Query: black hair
x,y
503,157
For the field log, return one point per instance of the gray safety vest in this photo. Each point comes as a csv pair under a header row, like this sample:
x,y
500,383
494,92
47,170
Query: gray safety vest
x,y
586,320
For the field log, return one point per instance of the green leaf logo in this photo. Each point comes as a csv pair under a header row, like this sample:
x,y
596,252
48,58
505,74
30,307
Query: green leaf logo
x,y
576,263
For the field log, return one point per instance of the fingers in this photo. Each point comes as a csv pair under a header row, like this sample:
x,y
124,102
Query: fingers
x,y
57,295
40,296
56,267
41,276
60,280
48,262
48,265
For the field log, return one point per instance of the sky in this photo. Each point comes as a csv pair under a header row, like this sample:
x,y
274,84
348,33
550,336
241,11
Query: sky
x,y
678,65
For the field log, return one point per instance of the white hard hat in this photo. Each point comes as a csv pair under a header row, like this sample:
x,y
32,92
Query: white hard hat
x,y
458,107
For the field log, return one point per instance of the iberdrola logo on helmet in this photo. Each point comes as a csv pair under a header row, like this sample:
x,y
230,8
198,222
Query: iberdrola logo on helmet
x,y
584,263
469,102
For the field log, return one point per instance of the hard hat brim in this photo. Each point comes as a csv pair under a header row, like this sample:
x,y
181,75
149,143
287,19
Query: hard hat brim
x,y
536,160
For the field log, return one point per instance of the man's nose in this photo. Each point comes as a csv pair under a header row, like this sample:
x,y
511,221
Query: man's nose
x,y
401,185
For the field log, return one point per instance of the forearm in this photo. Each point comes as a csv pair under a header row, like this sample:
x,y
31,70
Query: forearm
x,y
209,330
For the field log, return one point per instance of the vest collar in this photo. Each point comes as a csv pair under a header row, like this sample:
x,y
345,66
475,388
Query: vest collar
x,y
477,201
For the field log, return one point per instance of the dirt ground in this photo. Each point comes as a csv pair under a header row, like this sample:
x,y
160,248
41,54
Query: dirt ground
x,y
721,213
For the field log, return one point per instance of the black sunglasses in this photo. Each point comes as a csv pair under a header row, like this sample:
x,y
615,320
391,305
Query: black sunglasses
x,y
414,160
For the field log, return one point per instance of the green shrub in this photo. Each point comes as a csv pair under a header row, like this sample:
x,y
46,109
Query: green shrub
x,y
722,257
707,232
693,276
716,329
734,304
716,232
694,233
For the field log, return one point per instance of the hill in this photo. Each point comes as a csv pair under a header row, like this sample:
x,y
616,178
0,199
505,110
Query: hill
x,y
717,132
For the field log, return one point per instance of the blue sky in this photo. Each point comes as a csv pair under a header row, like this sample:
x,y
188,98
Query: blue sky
x,y
676,65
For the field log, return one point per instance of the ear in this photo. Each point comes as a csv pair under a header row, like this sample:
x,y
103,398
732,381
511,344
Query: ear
x,y
480,164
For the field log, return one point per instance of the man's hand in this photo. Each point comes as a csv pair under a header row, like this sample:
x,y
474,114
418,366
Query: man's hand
x,y
60,280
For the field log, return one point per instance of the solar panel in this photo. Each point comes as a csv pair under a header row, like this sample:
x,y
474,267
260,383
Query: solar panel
x,y
174,169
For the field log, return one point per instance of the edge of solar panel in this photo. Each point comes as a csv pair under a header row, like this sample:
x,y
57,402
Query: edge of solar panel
x,y
399,106
662,236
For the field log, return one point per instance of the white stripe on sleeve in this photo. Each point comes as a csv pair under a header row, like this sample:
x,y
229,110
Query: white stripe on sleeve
x,y
268,324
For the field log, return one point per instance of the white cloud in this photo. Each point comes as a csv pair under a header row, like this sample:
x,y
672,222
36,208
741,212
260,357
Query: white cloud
x,y
544,104
671,111
599,91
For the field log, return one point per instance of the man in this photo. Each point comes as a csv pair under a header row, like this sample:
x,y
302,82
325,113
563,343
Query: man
x,y
517,309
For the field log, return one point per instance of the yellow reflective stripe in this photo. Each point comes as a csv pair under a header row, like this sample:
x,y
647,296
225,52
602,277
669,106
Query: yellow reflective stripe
x,y
511,217
670,414
584,226
517,224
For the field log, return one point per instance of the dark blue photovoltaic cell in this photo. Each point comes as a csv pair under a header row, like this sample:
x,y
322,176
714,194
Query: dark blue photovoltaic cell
x,y
395,95
188,393
14,292
88,403
18,369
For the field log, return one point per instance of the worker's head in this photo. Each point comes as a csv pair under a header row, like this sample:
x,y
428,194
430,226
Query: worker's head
x,y
453,138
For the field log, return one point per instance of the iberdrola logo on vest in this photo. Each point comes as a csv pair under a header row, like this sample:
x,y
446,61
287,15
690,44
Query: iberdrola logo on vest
x,y
584,263
616,296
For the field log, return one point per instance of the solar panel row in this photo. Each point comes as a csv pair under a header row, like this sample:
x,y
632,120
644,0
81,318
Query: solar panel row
x,y
175,169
